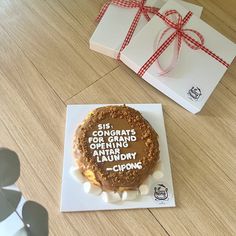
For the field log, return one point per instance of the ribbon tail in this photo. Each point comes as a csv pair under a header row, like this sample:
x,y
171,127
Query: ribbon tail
x,y
130,32
146,16
174,59
156,54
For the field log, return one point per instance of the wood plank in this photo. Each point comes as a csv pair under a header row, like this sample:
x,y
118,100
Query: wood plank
x,y
85,12
73,32
53,56
228,81
27,127
220,18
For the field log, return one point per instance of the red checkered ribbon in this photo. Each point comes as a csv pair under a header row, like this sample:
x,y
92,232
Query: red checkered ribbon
x,y
142,9
180,35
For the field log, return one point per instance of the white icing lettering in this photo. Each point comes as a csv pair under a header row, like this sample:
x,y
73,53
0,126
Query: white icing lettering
x,y
125,145
96,139
92,146
106,144
128,166
99,126
90,139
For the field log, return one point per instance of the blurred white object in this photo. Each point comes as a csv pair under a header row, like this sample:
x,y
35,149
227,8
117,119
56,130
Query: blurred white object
x,y
91,188
110,197
144,188
77,175
129,195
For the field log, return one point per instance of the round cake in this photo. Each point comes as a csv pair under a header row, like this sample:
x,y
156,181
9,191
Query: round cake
x,y
115,148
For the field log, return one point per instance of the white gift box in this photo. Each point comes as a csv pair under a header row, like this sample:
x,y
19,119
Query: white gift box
x,y
196,74
114,26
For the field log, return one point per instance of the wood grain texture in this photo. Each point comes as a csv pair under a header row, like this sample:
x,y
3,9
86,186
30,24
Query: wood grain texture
x,y
45,64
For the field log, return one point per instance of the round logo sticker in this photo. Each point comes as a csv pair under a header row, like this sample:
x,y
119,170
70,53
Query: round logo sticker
x,y
194,93
160,193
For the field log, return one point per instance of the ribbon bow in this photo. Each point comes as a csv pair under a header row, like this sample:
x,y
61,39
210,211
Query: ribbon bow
x,y
142,9
180,34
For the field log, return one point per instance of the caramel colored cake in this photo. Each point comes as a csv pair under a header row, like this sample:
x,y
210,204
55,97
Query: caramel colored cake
x,y
116,148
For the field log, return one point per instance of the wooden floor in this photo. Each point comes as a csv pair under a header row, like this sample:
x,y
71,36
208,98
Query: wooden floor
x,y
45,64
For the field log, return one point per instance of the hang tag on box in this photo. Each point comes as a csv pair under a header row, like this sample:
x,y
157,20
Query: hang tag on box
x,y
115,23
197,72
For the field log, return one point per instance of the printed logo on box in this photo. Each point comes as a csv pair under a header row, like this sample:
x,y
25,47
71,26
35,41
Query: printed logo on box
x,y
160,193
194,93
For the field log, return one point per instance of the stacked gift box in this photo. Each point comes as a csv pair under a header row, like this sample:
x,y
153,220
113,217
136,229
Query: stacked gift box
x,y
166,44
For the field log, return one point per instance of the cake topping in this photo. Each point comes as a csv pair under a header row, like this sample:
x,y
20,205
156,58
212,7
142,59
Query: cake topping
x,y
116,148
